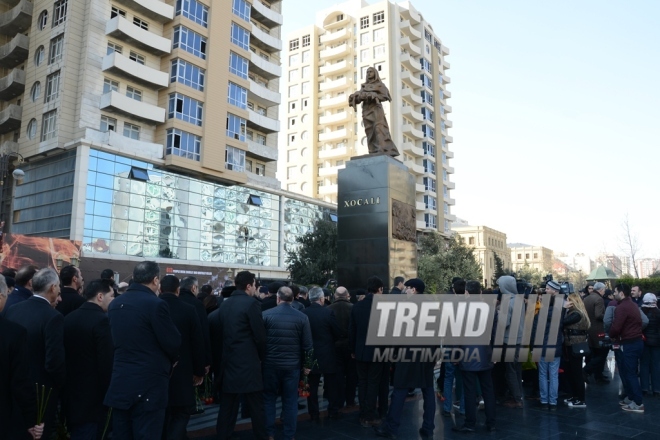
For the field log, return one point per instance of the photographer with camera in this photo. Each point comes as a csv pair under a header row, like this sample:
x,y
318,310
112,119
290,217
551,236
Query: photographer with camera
x,y
595,307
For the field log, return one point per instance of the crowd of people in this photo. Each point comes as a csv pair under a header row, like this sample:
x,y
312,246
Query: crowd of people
x,y
123,360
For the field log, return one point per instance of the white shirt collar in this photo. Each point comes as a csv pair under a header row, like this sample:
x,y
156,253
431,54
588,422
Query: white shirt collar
x,y
39,296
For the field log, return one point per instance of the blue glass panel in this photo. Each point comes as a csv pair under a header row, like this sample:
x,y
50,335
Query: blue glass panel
x,y
105,180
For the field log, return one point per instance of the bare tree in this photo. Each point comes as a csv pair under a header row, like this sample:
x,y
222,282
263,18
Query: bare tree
x,y
630,243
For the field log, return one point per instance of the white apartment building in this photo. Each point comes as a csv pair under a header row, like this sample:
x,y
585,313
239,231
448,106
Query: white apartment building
x,y
327,61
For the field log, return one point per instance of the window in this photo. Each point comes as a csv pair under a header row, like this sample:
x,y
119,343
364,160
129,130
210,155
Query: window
x,y
43,20
260,169
234,159
526,256
429,167
471,240
293,91
183,144
379,34
429,184
39,56
193,10
379,68
363,71
293,75
238,65
138,174
426,80
379,50
254,200
427,114
291,172
110,85
140,23
134,93
364,55
536,255
365,38
292,122
190,41
32,128
134,56
241,9
292,106
520,256
428,36
240,36
364,22
237,95
59,12
306,40
428,131
52,86
294,44
236,127
446,209
292,139
426,65
185,108
108,124
48,125
261,139
305,88
430,220
294,59
132,131
112,47
305,101
427,96
305,56
379,17
430,202
188,74
305,71
115,11
36,91
340,17
444,157
56,46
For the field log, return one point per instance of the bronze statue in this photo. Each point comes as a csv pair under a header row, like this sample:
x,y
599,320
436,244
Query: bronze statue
x,y
371,94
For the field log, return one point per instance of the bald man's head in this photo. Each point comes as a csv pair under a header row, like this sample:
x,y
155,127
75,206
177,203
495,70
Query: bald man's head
x,y
341,292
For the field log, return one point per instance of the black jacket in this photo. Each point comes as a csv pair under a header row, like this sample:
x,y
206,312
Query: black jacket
x,y
15,386
289,337
147,344
269,302
325,332
45,328
189,298
395,291
89,352
342,309
71,300
242,343
652,330
191,358
19,294
357,334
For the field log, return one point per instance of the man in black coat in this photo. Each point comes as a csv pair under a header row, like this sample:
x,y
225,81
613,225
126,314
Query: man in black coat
x,y
23,286
242,348
270,301
188,291
72,284
16,390
369,372
325,332
398,286
146,348
189,371
346,373
45,344
89,352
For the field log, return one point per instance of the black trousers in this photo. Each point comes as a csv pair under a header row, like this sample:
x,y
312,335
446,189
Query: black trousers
x,y
369,376
575,378
176,423
329,384
229,411
487,393
346,378
596,362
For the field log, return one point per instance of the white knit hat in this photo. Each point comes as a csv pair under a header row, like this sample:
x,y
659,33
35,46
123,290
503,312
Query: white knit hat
x,y
650,300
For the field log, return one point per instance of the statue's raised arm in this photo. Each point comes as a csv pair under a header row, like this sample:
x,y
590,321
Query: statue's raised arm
x,y
370,95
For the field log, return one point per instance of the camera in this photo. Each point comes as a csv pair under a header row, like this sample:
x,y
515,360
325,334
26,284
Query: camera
x,y
604,341
566,288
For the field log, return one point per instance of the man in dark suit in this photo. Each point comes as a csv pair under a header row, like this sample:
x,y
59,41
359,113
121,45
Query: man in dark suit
x,y
146,348
189,371
45,344
16,390
188,290
72,284
242,345
23,286
325,332
369,372
398,286
270,301
89,352
346,373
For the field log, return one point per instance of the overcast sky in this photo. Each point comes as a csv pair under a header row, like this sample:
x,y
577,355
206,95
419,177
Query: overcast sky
x,y
555,111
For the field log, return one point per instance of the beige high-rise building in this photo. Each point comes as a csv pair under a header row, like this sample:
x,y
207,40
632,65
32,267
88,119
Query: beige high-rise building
x,y
148,128
486,243
327,61
534,257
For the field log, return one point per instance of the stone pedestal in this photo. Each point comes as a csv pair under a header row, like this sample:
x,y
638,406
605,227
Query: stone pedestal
x,y
376,222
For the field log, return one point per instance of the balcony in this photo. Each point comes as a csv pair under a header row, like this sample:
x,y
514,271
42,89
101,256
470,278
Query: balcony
x,y
450,201
410,130
263,14
450,154
331,21
411,97
420,188
334,153
262,122
449,139
410,148
334,135
414,168
261,151
410,62
126,68
337,101
16,20
449,124
409,30
329,86
118,103
412,114
411,14
155,10
263,95
335,52
447,94
330,171
12,85
420,206
451,185
335,118
448,109
331,37
264,40
411,80
444,50
336,68
445,64
10,118
450,170
124,30
327,190
263,67
410,46
15,52
446,79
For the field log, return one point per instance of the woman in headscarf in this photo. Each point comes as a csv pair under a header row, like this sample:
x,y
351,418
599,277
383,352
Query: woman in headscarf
x,y
371,94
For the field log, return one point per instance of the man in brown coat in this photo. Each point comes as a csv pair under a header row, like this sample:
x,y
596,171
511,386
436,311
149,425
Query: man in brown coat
x,y
595,307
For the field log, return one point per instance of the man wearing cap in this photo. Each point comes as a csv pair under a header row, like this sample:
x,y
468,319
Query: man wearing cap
x,y
411,375
593,304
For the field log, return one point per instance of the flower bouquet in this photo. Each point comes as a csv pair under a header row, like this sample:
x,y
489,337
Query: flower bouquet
x,y
308,365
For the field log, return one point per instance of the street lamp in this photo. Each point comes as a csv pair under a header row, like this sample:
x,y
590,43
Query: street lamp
x,y
245,235
18,174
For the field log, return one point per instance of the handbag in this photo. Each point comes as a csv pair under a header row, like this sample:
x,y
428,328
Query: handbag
x,y
580,349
